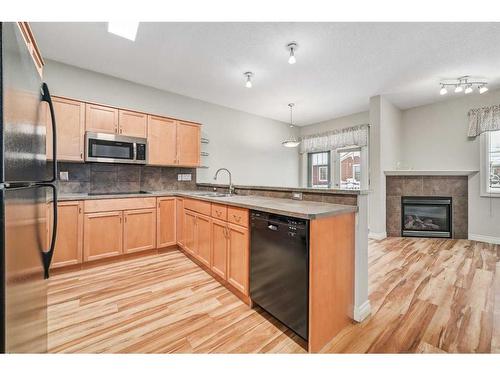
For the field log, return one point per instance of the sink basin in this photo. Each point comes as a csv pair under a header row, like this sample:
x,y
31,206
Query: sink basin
x,y
214,194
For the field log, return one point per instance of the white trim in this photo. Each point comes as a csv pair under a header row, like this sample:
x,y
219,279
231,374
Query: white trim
x,y
481,238
377,235
484,170
362,311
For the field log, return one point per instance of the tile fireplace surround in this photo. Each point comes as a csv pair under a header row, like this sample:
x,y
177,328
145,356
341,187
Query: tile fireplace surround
x,y
443,186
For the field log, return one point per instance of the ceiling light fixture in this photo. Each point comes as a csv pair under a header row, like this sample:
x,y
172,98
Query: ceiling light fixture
x,y
292,141
463,84
292,47
248,83
127,30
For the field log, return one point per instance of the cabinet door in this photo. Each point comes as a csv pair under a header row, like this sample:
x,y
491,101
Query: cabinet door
x,y
70,122
179,217
237,265
188,144
219,247
203,239
101,119
132,124
69,240
161,141
102,235
139,230
189,231
165,222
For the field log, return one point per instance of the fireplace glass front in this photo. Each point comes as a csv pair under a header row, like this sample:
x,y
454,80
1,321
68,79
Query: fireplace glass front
x,y
426,217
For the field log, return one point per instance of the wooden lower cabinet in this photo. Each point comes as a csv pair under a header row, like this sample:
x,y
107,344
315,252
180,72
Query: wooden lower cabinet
x,y
189,231
220,245
69,241
139,230
102,235
179,219
203,239
166,222
238,258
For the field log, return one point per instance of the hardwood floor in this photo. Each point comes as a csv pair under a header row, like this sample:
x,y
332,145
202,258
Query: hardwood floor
x,y
427,296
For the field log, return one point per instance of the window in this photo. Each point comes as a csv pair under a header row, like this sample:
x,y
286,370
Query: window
x,y
349,169
490,165
319,169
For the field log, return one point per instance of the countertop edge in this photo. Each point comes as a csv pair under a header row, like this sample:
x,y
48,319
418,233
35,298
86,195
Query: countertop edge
x,y
341,209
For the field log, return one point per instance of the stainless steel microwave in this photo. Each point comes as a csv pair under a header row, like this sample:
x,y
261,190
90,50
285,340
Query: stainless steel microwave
x,y
112,148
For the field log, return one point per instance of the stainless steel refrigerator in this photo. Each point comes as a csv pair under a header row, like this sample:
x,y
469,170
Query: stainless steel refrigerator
x,y
27,197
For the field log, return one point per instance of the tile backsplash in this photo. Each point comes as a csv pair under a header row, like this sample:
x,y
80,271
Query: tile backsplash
x,y
104,178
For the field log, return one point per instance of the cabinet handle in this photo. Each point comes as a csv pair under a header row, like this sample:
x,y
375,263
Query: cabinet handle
x,y
120,219
81,155
116,130
79,210
121,131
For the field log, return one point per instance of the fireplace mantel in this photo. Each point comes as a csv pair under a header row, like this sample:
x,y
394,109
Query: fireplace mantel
x,y
414,172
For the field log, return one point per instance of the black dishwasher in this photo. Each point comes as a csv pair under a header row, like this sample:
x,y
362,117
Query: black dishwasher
x,y
279,268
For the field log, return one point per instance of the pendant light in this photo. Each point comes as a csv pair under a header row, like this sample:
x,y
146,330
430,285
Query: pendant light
x,y
292,47
248,82
292,141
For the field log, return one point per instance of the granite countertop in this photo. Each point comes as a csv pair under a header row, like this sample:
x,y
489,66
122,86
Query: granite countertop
x,y
289,207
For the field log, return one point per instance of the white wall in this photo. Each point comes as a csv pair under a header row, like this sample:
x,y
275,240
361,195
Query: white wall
x,y
435,137
248,145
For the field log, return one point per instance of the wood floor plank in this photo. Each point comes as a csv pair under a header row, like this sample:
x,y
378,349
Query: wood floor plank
x,y
427,296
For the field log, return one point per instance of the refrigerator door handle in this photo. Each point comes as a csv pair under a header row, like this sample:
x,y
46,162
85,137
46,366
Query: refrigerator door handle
x,y
47,256
47,98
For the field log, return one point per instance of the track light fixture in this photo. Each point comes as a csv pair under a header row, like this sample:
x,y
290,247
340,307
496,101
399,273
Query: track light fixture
x,y
292,47
248,83
463,84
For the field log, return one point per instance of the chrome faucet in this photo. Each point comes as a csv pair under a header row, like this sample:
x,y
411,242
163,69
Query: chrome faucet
x,y
231,187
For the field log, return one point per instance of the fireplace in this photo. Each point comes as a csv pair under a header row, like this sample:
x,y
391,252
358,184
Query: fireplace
x,y
426,217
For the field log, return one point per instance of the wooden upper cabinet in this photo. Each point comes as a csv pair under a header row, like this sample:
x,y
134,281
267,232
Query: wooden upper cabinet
x,y
132,124
102,235
70,122
188,144
219,248
101,119
139,230
203,239
238,258
166,222
162,138
69,240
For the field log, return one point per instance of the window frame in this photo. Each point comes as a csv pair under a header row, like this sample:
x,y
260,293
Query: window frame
x,y
363,157
484,171
328,168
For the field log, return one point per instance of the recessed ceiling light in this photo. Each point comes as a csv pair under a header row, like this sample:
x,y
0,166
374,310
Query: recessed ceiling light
x,y
248,83
127,30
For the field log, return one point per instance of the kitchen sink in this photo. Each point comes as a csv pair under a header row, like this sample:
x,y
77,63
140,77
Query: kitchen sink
x,y
213,194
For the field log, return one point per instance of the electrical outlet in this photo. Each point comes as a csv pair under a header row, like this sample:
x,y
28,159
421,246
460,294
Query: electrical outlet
x,y
297,195
179,177
63,176
188,177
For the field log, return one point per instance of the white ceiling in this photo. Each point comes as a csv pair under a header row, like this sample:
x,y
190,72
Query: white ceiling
x,y
339,65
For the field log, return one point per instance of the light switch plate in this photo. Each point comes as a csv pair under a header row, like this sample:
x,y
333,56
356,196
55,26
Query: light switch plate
x,y
179,177
188,177
63,176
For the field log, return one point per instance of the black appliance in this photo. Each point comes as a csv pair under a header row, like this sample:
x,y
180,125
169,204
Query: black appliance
x,y
279,268
113,148
26,193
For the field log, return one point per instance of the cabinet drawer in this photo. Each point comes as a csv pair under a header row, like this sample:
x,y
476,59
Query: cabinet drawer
x,y
198,206
237,216
119,204
219,211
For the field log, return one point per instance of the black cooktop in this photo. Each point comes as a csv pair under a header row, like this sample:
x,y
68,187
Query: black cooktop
x,y
122,192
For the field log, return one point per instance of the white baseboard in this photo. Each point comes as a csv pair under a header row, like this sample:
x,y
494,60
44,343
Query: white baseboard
x,y
377,236
480,238
362,311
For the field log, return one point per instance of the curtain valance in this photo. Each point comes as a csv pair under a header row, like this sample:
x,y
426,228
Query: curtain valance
x,y
352,136
484,119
